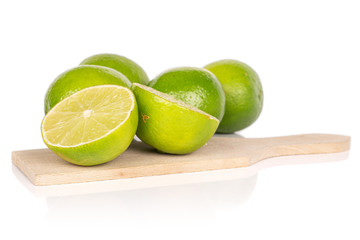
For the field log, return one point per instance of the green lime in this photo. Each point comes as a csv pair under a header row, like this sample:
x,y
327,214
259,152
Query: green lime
x,y
79,78
129,68
92,126
195,86
170,125
243,92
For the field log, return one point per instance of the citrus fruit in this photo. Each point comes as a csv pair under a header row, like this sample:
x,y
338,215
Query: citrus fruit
x,y
79,78
243,92
92,126
195,86
170,125
129,68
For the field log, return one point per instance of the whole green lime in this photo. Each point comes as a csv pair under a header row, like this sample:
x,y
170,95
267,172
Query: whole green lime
x,y
243,92
194,86
129,68
79,78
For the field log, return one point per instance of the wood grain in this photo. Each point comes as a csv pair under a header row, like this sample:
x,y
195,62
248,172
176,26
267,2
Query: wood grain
x,y
43,167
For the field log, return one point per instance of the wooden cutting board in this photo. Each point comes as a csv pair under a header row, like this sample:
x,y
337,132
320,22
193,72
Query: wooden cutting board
x,y
43,167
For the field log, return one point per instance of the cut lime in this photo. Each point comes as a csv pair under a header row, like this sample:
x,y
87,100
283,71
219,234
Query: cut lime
x,y
170,125
92,126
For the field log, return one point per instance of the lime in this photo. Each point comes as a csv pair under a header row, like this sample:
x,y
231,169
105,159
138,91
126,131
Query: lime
x,y
170,125
243,92
195,86
129,68
79,78
92,126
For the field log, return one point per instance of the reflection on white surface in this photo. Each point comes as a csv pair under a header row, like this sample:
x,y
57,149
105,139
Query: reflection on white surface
x,y
198,200
174,196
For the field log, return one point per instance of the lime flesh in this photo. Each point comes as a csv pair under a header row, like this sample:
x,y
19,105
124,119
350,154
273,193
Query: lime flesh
x,y
92,126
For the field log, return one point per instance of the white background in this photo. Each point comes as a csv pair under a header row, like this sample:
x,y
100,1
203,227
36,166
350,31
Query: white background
x,y
308,57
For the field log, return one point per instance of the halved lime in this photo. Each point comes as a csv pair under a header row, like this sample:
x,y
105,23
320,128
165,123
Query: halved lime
x,y
170,125
92,126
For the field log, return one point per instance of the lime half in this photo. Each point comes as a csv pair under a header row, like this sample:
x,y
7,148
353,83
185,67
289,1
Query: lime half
x,y
170,125
92,126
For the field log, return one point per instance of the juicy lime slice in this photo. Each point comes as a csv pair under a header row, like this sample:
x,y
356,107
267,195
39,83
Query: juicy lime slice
x,y
170,125
92,126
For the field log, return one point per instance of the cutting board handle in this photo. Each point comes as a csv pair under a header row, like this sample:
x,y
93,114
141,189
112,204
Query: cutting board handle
x,y
296,145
